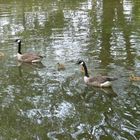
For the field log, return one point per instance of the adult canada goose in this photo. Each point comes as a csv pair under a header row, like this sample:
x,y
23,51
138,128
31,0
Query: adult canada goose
x,y
98,81
27,57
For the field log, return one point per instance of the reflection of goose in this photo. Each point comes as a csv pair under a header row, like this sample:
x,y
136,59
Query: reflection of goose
x,y
27,67
33,66
99,81
27,57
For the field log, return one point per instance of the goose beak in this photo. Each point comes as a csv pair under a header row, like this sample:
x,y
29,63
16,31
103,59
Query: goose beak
x,y
16,40
78,62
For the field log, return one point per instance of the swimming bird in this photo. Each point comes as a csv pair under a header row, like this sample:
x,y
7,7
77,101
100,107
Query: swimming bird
x,y
134,78
98,81
60,66
27,57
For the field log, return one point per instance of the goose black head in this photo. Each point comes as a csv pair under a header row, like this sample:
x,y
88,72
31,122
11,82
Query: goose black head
x,y
18,40
80,62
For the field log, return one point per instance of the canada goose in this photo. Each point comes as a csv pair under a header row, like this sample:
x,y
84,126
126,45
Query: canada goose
x,y
134,78
98,81
27,57
60,66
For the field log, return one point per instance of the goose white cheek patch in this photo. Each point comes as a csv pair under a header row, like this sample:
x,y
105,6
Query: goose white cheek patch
x,y
18,41
81,63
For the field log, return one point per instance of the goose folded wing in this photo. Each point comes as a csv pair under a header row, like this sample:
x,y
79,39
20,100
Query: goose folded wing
x,y
101,79
28,57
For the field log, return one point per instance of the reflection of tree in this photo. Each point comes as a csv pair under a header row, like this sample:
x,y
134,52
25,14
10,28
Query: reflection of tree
x,y
114,18
44,20
107,24
110,10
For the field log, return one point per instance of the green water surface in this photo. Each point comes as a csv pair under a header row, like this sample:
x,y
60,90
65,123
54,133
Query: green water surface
x,y
38,102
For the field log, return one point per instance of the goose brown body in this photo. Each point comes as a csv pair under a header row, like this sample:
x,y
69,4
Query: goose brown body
x,y
27,57
98,81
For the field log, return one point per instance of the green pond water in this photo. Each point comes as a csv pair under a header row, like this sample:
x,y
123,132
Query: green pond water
x,y
38,102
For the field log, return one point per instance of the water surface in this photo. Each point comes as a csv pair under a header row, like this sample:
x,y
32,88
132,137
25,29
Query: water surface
x,y
38,101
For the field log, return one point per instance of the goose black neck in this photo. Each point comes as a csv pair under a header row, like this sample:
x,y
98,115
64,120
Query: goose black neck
x,y
19,47
85,69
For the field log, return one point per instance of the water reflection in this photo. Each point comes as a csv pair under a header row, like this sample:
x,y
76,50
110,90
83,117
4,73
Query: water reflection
x,y
40,102
115,43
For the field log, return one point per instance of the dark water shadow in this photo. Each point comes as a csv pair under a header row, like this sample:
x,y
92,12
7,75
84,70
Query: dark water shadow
x,y
29,67
109,92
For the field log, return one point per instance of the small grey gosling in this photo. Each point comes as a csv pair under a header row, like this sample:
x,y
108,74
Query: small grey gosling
x,y
27,57
98,81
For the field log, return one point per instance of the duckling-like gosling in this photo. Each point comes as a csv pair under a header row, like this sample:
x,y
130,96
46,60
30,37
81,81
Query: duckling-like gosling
x,y
60,66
